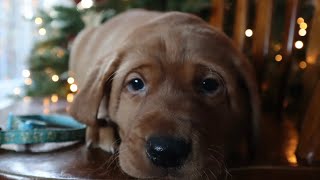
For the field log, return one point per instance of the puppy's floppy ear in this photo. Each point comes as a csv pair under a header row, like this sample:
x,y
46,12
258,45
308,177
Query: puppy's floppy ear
x,y
87,102
247,76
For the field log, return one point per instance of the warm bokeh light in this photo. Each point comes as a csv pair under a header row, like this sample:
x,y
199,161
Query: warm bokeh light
x,y
70,97
248,32
311,60
60,53
26,99
278,57
17,91
55,78
26,73
42,31
303,25
298,44
54,98
73,88
70,80
302,64
300,20
292,159
277,47
38,20
85,4
46,110
302,32
46,102
28,81
292,139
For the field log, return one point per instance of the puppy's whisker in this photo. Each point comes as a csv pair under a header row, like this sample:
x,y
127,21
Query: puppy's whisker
x,y
197,173
102,166
115,157
228,174
113,165
213,174
219,163
204,171
216,152
195,137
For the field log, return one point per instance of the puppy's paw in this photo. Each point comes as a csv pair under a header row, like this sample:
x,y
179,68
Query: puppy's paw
x,y
107,140
92,137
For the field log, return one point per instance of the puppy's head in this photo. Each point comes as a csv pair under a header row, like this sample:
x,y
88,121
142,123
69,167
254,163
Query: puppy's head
x,y
181,95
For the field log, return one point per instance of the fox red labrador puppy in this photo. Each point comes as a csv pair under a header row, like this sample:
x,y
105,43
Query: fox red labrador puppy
x,y
180,94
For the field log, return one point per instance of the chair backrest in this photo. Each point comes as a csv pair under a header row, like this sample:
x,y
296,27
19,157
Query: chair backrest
x,y
259,42
309,143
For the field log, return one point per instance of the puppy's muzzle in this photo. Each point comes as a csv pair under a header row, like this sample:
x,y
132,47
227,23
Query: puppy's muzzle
x,y
167,151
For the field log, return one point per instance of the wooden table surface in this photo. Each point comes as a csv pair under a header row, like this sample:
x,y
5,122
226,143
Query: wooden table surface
x,y
77,162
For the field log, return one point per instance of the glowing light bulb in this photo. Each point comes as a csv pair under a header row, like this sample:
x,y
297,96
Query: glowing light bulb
x,y
70,80
55,78
26,73
38,20
85,4
300,20
302,64
54,98
42,31
298,44
248,32
73,88
70,97
302,32
303,25
278,57
28,81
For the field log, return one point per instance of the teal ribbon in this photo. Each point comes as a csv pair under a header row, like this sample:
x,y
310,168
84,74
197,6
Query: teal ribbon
x,y
32,129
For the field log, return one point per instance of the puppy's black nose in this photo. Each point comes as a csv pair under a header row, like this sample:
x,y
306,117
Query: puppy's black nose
x,y
167,152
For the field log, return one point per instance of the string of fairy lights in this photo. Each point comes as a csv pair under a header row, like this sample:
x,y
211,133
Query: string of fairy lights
x,y
55,78
298,44
26,74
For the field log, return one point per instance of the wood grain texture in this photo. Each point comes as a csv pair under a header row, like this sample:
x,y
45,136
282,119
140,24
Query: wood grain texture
x,y
240,24
261,34
217,16
286,52
309,144
312,72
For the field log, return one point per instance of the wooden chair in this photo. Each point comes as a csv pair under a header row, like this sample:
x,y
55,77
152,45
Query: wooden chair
x,y
259,53
309,147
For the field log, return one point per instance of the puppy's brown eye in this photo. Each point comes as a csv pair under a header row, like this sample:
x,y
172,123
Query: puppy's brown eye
x,y
136,84
209,85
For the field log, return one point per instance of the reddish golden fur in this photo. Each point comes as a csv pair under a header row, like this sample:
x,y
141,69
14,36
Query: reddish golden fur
x,y
170,52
